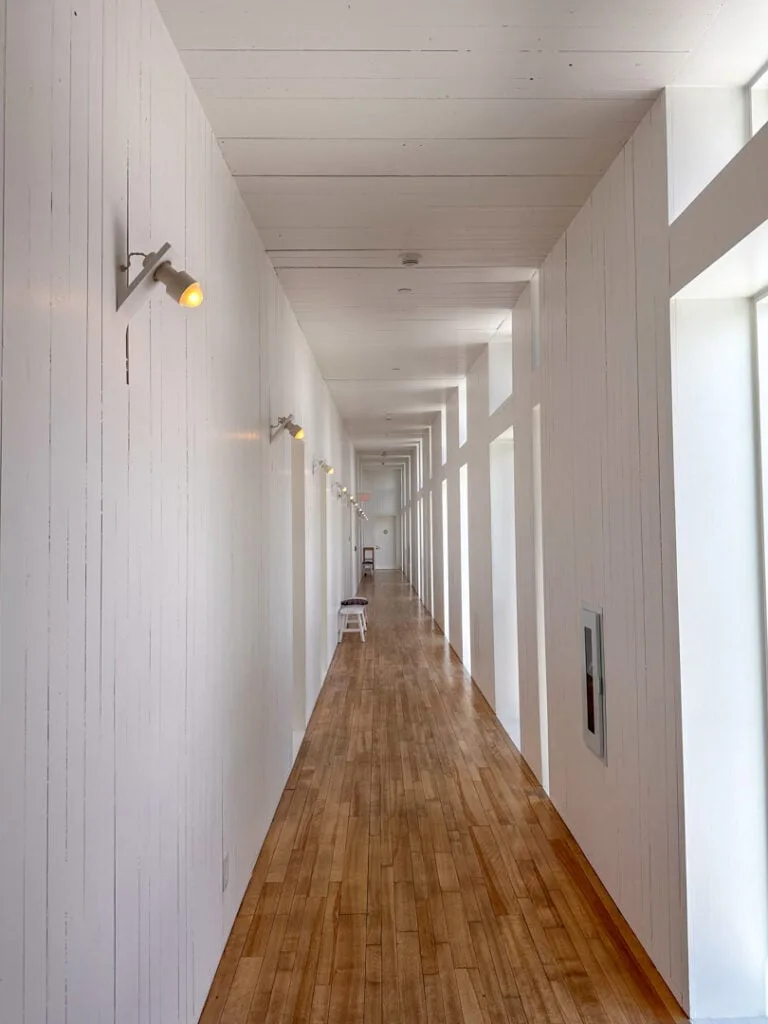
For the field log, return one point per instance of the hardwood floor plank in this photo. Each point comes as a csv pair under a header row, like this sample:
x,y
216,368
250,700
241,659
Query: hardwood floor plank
x,y
269,969
458,930
303,980
446,873
415,872
488,979
472,1008
222,983
348,983
448,986
426,938
321,999
410,980
354,880
406,919
240,995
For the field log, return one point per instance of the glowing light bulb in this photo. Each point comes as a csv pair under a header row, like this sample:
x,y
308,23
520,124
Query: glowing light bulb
x,y
192,296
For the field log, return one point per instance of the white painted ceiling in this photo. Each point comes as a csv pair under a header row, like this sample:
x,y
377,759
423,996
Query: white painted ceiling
x,y
469,131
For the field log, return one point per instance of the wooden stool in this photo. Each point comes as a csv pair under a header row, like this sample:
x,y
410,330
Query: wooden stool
x,y
358,602
352,620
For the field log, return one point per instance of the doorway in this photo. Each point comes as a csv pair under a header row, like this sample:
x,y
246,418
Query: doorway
x,y
384,530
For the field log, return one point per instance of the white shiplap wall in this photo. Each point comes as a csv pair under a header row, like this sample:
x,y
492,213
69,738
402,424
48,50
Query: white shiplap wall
x,y
145,714
609,540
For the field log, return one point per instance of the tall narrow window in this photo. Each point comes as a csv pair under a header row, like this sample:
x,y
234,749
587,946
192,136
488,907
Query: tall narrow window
x,y
462,412
761,362
718,365
431,542
536,321
500,364
504,584
466,616
758,99
538,553
446,572
411,553
420,546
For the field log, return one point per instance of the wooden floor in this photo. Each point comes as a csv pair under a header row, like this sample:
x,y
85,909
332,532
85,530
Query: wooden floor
x,y
416,872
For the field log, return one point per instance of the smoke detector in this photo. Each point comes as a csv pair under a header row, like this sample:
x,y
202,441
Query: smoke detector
x,y
410,259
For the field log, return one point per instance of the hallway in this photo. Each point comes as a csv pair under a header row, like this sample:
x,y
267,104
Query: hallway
x,y
415,871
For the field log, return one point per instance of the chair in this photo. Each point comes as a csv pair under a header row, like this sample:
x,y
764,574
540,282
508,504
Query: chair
x,y
352,618
368,561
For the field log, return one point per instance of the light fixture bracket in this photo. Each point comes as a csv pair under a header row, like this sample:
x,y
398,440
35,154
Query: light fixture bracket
x,y
283,423
129,297
157,268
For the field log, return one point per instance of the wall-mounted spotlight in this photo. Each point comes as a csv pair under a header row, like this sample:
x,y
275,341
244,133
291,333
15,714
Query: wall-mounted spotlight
x,y
286,423
182,287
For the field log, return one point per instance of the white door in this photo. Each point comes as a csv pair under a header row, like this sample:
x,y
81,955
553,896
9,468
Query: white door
x,y
384,540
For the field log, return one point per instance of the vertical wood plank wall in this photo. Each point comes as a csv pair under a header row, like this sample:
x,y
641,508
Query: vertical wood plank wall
x,y
609,540
145,673
603,383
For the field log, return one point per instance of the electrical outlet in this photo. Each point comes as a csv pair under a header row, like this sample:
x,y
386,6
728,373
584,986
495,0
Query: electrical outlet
x,y
225,872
